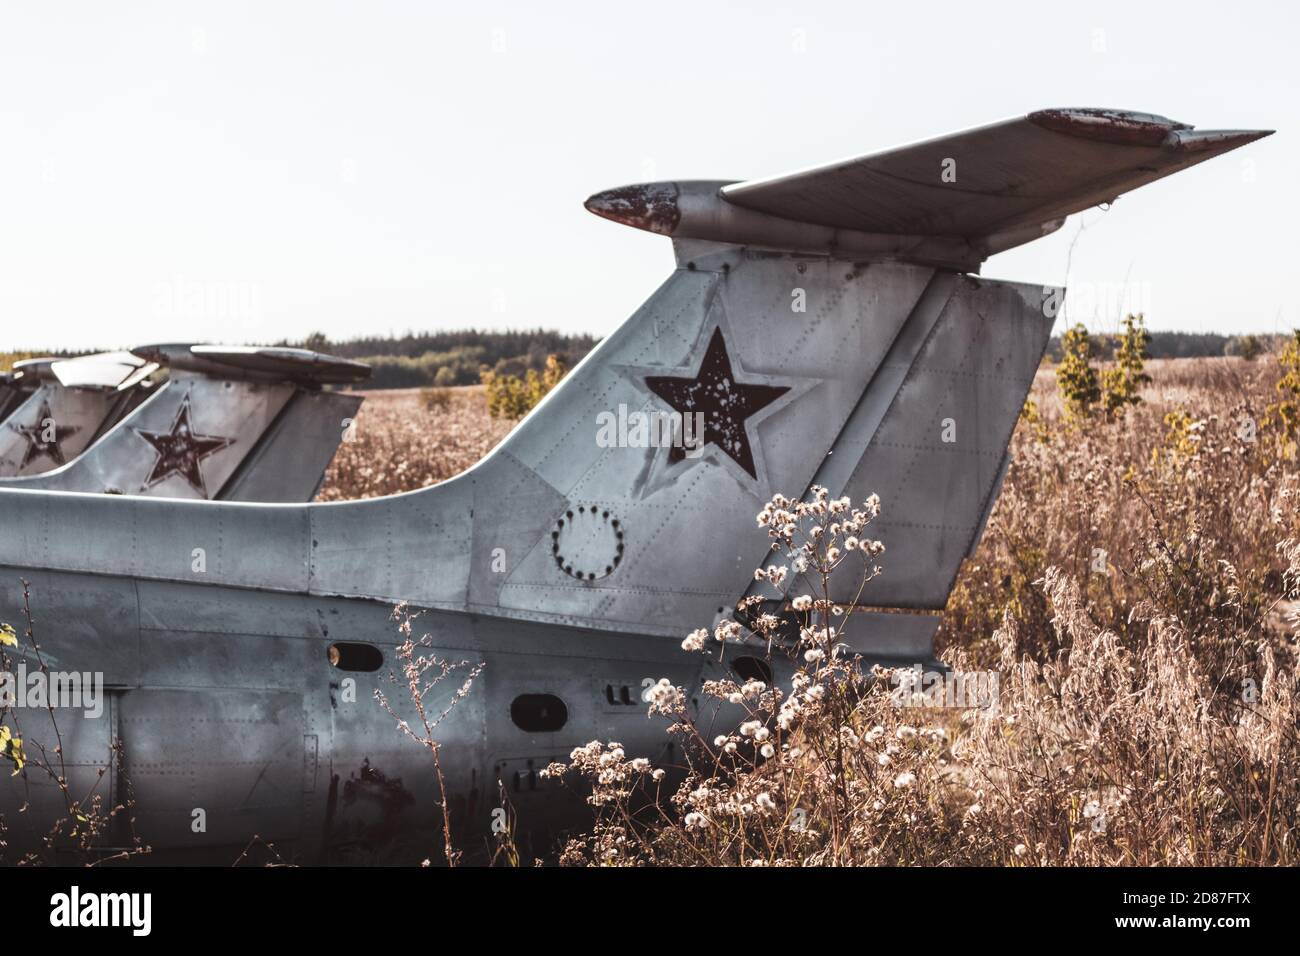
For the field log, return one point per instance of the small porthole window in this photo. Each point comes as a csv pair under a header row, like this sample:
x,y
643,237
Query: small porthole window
x,y
539,713
751,668
351,656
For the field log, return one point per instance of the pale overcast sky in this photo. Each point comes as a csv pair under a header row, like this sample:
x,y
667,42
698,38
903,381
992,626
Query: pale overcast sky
x,y
237,171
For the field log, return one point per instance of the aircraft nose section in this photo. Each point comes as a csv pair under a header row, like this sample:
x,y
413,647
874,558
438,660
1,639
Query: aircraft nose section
x,y
649,206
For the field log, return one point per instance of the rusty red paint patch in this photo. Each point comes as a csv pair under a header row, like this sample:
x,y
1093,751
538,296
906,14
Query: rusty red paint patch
x,y
649,206
1108,126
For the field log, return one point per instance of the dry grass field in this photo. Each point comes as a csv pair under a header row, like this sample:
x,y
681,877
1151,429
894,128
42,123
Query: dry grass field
x,y
1134,595
403,441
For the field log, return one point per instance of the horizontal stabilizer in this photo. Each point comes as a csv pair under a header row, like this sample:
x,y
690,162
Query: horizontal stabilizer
x,y
951,201
302,366
976,184
34,368
296,364
107,370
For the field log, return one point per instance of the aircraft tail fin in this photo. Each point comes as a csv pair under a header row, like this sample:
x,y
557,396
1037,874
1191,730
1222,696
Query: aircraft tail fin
x,y
880,378
52,425
288,462
236,424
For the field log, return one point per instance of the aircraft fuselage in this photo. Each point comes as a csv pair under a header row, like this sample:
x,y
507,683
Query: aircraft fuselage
x,y
234,722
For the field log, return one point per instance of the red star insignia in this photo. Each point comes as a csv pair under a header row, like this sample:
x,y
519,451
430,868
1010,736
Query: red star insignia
x,y
181,450
37,444
725,402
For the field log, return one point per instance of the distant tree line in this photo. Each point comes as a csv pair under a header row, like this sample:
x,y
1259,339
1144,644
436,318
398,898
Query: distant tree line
x,y
460,357
1163,345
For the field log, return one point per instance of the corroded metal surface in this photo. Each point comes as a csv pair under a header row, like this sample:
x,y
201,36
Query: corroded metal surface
x,y
652,207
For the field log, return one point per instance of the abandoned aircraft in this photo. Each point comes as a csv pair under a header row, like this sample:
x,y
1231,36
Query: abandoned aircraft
x,y
569,568
65,405
228,423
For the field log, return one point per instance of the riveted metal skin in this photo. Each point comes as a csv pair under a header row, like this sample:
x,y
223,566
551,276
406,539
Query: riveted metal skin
x,y
868,366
